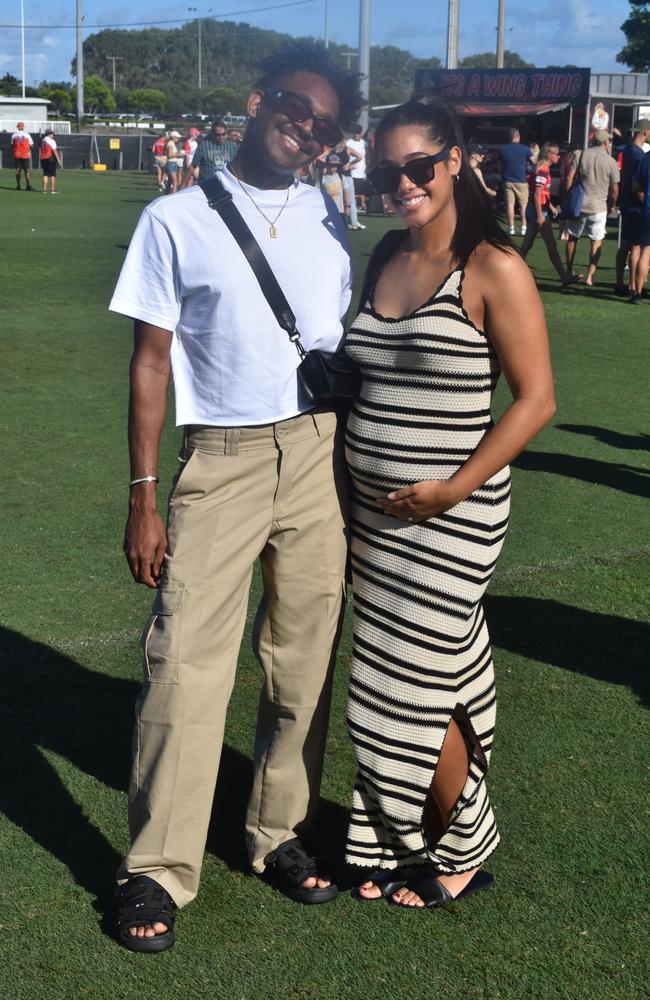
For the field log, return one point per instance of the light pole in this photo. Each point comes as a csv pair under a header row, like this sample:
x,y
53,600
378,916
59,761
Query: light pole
x,y
80,64
364,58
195,10
501,34
22,40
452,34
114,59
327,25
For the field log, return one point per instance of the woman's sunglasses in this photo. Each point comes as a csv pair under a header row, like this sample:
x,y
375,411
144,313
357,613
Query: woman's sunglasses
x,y
386,180
286,103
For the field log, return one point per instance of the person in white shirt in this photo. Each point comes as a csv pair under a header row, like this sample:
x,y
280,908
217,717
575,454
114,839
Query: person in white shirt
x,y
358,171
22,142
261,476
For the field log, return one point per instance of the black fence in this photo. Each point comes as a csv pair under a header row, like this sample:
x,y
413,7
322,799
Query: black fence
x,y
80,152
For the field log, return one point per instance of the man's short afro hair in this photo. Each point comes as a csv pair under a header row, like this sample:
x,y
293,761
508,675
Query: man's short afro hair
x,y
307,55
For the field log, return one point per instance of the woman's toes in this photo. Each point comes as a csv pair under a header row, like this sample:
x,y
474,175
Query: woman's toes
x,y
369,890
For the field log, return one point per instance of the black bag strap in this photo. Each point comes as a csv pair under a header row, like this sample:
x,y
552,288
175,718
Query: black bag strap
x,y
222,202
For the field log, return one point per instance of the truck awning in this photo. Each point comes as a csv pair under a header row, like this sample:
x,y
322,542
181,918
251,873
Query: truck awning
x,y
503,110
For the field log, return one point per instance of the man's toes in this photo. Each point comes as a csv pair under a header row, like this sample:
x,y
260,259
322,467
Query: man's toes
x,y
309,883
324,883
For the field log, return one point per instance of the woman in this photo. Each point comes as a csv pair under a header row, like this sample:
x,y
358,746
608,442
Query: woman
x,y
174,164
476,157
447,304
540,209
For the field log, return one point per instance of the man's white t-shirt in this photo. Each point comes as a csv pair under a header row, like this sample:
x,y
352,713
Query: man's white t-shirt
x,y
358,168
232,362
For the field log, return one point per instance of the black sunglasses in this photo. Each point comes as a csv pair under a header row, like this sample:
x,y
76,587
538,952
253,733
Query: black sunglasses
x,y
286,103
386,180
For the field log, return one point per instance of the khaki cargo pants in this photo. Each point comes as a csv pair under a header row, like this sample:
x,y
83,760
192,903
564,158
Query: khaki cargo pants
x,y
275,492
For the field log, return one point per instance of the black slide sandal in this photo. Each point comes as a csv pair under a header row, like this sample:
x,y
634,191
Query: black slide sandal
x,y
289,866
142,901
433,894
386,881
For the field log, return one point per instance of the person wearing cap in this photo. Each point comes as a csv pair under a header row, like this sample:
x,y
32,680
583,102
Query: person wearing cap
x,y
174,165
214,151
189,149
22,143
600,178
476,157
332,184
50,158
631,209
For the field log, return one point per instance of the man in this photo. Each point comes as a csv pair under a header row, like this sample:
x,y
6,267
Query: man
x,y
358,170
514,157
260,477
631,208
642,189
214,151
50,159
600,179
22,143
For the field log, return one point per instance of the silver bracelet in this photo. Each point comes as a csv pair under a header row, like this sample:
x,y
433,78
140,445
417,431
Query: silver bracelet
x,y
144,479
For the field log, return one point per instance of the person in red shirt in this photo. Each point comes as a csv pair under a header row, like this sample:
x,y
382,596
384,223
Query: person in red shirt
x,y
22,143
540,210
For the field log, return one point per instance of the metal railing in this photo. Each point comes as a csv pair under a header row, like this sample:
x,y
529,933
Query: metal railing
x,y
9,125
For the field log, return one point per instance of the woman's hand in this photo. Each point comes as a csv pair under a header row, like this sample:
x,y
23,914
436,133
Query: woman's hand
x,y
554,210
419,501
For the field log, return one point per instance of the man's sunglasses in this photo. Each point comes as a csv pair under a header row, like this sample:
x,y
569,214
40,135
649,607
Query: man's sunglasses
x,y
386,180
285,102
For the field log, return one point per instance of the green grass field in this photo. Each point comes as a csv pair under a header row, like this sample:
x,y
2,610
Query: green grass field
x,y
567,611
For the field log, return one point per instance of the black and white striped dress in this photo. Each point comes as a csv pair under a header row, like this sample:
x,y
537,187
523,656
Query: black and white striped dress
x,y
421,647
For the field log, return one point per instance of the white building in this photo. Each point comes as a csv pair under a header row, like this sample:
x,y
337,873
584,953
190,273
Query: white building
x,y
30,110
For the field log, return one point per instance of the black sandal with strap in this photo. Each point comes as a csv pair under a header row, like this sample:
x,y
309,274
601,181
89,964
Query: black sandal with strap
x,y
289,866
139,902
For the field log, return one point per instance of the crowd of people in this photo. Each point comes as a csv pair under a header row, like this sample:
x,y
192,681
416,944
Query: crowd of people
x,y
516,177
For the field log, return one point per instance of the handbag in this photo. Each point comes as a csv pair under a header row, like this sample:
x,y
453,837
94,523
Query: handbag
x,y
324,376
574,197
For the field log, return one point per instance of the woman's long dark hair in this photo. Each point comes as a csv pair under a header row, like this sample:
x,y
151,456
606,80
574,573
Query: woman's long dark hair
x,y
476,219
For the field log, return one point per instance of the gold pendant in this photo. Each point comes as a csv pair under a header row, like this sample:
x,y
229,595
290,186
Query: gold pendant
x,y
274,233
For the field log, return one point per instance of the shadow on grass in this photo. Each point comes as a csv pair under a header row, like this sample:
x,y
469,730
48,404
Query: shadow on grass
x,y
605,647
53,703
635,442
579,290
626,478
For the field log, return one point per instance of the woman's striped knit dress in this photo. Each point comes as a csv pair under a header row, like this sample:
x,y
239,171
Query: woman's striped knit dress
x,y
421,647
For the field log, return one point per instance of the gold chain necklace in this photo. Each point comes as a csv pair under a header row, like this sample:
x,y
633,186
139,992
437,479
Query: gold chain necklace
x,y
273,230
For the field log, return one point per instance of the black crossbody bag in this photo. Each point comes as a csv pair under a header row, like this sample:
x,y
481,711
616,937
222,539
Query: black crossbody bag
x,y
323,376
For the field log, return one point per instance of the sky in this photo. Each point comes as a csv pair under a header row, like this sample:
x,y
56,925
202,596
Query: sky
x,y
545,32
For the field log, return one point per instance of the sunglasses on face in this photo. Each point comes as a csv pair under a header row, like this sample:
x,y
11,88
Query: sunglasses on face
x,y
386,180
285,102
